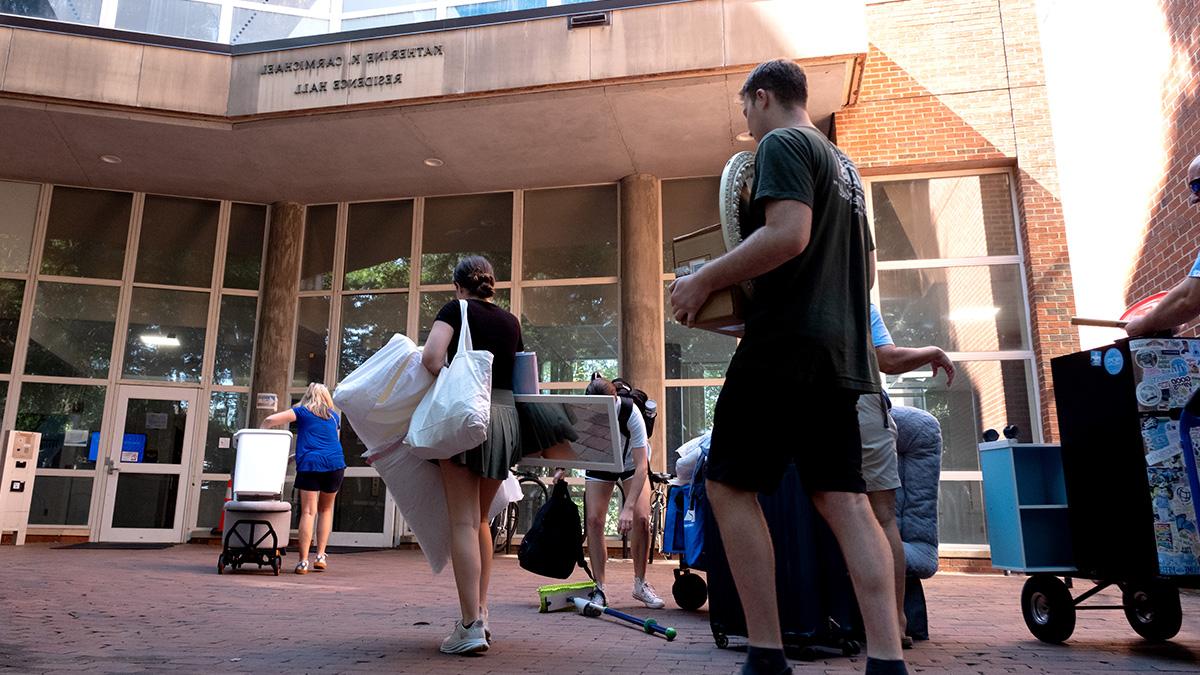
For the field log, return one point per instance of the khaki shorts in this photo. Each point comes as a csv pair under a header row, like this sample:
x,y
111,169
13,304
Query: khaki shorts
x,y
880,467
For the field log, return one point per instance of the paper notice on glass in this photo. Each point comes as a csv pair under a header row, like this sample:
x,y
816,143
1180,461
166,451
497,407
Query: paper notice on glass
x,y
223,442
129,456
75,437
156,420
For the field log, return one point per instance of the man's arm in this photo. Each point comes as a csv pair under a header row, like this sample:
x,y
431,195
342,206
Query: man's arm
x,y
1180,306
785,235
895,360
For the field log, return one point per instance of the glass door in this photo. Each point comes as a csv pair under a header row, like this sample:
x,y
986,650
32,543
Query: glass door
x,y
147,460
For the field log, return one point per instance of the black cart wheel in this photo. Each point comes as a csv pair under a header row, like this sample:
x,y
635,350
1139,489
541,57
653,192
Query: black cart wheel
x,y
689,590
276,563
1153,610
221,564
722,640
1048,608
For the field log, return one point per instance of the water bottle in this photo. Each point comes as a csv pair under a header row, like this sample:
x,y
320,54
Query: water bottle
x,y
651,415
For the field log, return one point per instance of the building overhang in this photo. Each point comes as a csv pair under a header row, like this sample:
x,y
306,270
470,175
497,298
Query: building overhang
x,y
513,104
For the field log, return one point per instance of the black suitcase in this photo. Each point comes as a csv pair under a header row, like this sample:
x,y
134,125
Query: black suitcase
x,y
817,609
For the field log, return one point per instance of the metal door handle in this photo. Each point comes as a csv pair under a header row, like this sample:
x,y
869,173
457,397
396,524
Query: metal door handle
x,y
110,466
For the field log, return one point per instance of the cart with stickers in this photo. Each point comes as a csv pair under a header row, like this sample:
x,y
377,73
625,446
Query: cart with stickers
x,y
1121,484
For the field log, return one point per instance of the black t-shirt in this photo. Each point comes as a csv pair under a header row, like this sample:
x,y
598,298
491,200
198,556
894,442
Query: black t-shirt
x,y
810,317
492,328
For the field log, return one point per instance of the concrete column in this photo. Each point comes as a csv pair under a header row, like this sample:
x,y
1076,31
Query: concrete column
x,y
642,335
277,310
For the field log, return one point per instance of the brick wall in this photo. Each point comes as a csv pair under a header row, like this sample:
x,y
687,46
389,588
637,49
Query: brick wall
x,y
959,84
1173,236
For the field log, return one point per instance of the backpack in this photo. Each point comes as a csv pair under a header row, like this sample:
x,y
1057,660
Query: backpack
x,y
629,397
554,544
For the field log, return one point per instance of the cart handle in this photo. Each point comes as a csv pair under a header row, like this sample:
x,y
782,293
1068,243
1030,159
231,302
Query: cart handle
x,y
1099,323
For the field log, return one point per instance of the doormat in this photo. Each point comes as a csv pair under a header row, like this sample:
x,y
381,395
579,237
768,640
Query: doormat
x,y
126,547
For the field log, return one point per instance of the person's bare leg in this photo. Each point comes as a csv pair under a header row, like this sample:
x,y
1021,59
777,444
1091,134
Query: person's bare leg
x,y
639,536
462,501
324,519
883,503
308,513
487,491
597,495
870,562
751,557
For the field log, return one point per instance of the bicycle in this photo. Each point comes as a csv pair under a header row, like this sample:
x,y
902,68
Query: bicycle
x,y
534,493
659,483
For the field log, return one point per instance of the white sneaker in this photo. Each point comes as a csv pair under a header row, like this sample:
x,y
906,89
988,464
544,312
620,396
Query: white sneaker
x,y
598,597
465,639
644,592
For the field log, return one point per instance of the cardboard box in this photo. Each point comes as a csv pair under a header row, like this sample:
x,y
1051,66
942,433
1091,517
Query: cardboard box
x,y
723,313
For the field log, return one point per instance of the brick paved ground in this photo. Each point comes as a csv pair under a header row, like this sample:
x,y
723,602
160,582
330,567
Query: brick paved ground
x,y
129,611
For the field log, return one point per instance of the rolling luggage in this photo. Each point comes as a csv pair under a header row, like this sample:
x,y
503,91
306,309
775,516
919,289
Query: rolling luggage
x,y
818,612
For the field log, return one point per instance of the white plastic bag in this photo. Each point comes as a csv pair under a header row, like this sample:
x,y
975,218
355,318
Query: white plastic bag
x,y
453,417
689,453
380,396
509,492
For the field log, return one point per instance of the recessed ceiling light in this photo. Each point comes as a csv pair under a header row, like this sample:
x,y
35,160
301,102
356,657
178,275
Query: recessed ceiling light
x,y
434,162
110,159
744,137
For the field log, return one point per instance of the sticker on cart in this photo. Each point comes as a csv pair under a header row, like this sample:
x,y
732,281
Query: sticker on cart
x,y
1160,456
1179,367
1162,536
1114,361
1146,358
1149,394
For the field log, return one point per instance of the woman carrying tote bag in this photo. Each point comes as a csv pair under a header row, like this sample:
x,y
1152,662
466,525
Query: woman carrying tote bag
x,y
472,478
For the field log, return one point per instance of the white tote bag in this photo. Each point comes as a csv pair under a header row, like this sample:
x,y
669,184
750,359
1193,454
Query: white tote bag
x,y
453,416
380,396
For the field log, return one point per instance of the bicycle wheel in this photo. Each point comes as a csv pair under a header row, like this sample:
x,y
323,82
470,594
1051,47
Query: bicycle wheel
x,y
535,496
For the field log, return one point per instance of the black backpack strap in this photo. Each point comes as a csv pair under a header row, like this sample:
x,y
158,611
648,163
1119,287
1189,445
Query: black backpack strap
x,y
624,414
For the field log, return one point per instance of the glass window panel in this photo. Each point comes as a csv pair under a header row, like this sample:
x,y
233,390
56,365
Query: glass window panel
x,y
960,513
312,341
71,334
364,5
962,309
178,18
310,5
386,261
166,335
60,500
368,322
689,414
12,296
18,211
985,395
389,19
359,506
352,446
87,233
160,424
480,8
66,415
692,353
570,233
228,412
460,226
235,341
74,11
320,229
433,301
243,252
687,205
957,217
573,329
177,241
3,397
145,500
256,25
212,503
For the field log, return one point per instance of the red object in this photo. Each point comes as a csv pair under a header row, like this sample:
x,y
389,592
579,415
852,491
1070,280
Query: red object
x,y
228,497
1142,307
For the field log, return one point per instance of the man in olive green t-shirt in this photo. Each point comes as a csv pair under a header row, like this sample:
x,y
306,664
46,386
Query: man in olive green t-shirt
x,y
791,389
